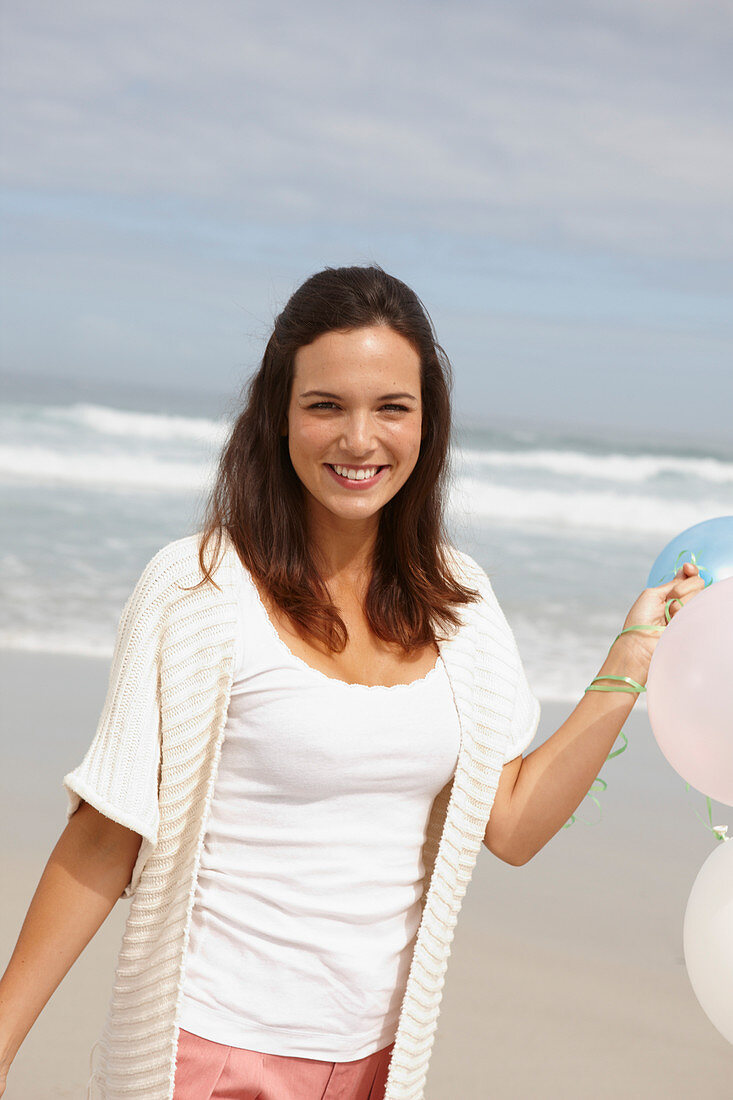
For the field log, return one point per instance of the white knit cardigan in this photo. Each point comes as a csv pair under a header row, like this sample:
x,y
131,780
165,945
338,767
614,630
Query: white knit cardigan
x,y
152,767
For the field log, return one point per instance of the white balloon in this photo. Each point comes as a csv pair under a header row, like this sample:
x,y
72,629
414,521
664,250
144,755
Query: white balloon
x,y
708,938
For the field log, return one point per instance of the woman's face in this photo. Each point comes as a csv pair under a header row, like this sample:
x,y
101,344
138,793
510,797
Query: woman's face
x,y
354,420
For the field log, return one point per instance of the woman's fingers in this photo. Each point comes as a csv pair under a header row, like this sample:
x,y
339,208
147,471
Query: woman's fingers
x,y
687,579
689,584
683,591
687,571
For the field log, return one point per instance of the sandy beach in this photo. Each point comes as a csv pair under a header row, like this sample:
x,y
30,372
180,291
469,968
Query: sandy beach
x,y
567,978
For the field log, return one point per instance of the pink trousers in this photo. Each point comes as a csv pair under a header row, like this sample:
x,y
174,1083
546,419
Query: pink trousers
x,y
212,1071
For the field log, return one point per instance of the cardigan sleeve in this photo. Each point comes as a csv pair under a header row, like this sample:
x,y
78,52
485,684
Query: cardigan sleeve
x,y
119,774
526,709
525,712
525,718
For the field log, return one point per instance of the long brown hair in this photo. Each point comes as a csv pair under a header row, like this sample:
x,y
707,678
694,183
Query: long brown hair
x,y
258,499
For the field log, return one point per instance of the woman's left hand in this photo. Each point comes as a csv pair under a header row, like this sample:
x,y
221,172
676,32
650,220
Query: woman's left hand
x,y
649,608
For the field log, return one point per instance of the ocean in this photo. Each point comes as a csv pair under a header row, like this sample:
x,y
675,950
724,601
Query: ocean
x,y
566,523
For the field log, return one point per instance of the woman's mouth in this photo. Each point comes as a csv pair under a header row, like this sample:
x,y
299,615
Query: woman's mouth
x,y
356,477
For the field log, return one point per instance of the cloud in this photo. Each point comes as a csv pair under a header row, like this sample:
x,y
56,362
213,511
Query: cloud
x,y
583,125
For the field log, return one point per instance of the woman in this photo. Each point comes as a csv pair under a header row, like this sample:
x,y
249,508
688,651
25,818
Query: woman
x,y
316,717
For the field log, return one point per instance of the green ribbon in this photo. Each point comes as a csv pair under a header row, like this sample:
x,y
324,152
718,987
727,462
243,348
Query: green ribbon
x,y
635,687
718,831
628,630
694,561
668,604
599,784
617,752
602,786
595,686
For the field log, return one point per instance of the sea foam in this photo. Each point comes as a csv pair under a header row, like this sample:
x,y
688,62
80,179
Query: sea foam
x,y
140,425
609,467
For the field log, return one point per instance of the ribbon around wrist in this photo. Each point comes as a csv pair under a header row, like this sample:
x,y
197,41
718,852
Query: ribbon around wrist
x,y
635,687
639,626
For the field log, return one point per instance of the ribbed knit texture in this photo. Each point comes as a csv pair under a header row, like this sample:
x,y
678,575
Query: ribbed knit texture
x,y
161,731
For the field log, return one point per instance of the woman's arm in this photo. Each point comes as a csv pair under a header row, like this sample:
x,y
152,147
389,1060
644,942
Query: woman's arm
x,y
85,875
538,794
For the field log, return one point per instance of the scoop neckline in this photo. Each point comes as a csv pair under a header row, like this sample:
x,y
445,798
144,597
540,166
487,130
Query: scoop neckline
x,y
324,676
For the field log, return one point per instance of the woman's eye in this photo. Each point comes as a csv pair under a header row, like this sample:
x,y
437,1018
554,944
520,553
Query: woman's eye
x,y
332,405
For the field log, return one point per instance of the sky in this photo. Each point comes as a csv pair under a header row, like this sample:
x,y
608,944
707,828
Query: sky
x,y
554,179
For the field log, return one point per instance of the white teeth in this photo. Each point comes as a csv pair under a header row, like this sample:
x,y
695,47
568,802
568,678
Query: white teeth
x,y
361,474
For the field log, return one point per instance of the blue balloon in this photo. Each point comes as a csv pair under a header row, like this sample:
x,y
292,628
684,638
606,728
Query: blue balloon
x,y
709,545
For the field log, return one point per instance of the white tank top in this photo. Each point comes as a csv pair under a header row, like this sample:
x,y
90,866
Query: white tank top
x,y
308,894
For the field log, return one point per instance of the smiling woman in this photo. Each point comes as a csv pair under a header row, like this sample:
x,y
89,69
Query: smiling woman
x,y
315,720
352,377
351,441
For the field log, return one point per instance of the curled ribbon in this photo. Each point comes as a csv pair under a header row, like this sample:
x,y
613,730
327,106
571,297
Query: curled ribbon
x,y
718,831
668,604
694,561
599,785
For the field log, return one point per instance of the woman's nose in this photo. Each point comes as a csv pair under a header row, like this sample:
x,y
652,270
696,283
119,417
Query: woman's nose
x,y
358,436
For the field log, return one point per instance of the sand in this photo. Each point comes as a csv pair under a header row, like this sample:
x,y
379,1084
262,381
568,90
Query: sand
x,y
567,978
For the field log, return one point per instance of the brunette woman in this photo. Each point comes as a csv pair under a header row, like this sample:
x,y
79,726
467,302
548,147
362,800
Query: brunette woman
x,y
315,720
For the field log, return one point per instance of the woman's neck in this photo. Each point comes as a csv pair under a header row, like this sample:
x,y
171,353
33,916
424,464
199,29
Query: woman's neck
x,y
343,550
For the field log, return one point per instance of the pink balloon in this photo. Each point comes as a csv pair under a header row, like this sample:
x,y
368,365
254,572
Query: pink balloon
x,y
690,692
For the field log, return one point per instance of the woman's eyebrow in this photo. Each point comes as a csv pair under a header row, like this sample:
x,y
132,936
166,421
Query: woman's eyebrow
x,y
336,397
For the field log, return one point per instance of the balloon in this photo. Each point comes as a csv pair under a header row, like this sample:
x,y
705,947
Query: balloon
x,y
711,543
708,938
690,691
